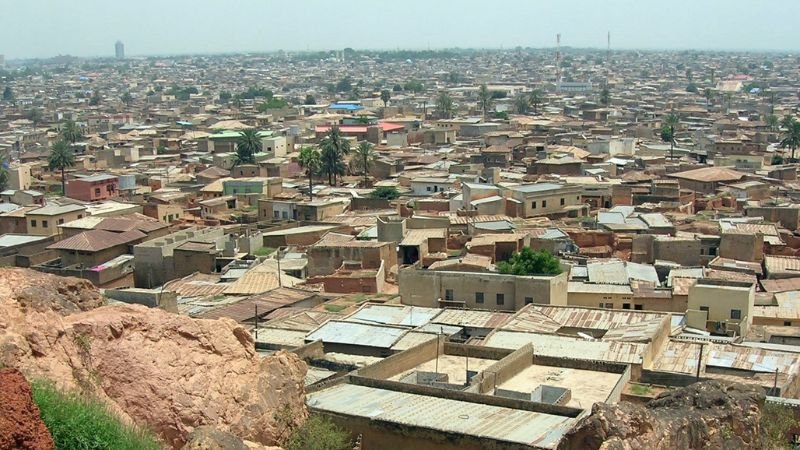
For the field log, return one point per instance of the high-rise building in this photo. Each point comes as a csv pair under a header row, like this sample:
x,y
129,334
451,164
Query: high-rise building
x,y
119,50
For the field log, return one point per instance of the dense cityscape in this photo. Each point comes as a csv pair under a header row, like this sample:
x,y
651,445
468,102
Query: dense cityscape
x,y
518,248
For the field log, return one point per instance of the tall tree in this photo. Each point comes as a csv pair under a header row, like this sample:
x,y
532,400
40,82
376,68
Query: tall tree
x,y
536,100
247,145
773,123
484,99
707,93
334,147
605,97
70,132
94,100
127,98
386,95
8,94
522,103
60,158
34,115
444,105
310,162
363,158
791,135
668,132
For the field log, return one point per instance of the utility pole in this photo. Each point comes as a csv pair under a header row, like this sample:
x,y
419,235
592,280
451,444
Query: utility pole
x,y
775,384
256,328
278,258
699,363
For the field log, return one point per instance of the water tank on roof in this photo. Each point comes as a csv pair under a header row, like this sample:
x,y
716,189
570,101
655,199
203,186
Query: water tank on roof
x,y
127,182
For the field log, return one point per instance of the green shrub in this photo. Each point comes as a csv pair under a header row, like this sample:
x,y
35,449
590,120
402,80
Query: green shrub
x,y
386,192
78,422
319,433
530,262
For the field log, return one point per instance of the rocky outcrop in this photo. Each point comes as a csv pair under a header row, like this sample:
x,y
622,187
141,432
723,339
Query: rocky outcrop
x,y
209,438
44,292
21,426
168,372
710,414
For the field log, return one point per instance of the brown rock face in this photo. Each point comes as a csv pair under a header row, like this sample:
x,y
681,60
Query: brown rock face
x,y
45,292
168,372
710,414
21,426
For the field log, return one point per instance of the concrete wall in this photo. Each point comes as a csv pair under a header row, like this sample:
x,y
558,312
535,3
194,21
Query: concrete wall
x,y
405,360
505,369
152,298
328,259
788,217
685,252
742,246
423,288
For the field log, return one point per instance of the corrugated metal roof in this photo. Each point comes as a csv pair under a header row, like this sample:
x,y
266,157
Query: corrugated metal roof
x,y
412,339
569,347
778,264
281,336
355,333
304,320
472,318
402,315
474,419
11,240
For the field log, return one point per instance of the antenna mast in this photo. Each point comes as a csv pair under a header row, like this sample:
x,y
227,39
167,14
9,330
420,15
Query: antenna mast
x,y
558,61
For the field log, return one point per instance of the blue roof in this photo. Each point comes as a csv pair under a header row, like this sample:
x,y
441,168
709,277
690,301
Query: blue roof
x,y
345,106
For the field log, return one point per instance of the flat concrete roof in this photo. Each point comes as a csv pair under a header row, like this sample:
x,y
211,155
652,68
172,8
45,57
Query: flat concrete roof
x,y
587,386
454,366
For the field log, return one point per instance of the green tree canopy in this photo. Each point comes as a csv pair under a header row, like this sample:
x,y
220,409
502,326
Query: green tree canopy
x,y
272,103
791,136
311,163
310,100
70,132
126,98
8,94
385,96
413,86
319,433
247,145
530,262
444,105
385,192
363,158
334,147
484,100
60,158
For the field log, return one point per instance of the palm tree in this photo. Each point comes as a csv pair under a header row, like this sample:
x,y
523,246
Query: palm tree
x,y
773,123
70,132
444,105
707,93
310,161
248,144
522,103
60,158
787,121
668,132
484,99
363,158
791,136
386,95
536,99
334,147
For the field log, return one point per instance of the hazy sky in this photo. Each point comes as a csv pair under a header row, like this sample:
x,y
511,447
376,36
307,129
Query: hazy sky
x,y
42,28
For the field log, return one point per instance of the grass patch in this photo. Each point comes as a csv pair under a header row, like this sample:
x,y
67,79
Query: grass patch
x,y
264,251
78,422
334,308
640,389
319,433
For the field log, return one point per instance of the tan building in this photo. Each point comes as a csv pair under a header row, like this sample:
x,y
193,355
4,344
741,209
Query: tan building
x,y
721,307
44,221
480,290
541,199
707,179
